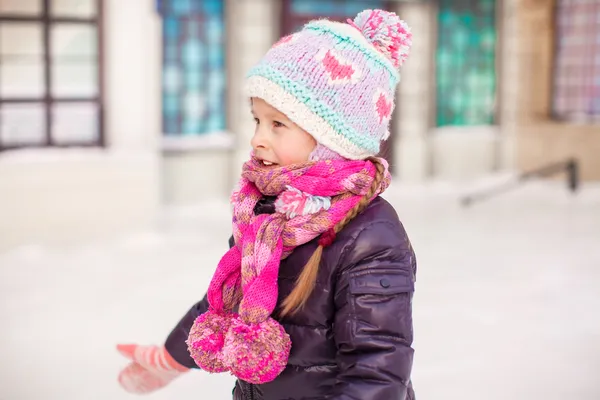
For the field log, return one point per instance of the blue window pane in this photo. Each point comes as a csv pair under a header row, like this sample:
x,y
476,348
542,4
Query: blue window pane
x,y
188,7
215,123
212,7
171,78
170,27
170,125
193,67
170,54
170,114
181,7
193,28
304,7
192,53
170,105
191,127
193,80
465,62
214,31
193,112
215,56
354,7
194,105
215,84
333,8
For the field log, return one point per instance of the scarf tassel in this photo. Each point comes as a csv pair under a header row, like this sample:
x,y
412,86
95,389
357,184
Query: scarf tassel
x,y
255,353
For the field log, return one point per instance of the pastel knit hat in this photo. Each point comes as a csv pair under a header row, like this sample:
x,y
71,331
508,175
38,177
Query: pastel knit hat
x,y
337,80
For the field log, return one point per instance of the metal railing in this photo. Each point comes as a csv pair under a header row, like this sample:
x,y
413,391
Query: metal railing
x,y
569,166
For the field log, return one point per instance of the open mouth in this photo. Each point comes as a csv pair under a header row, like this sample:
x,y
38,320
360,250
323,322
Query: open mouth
x,y
262,161
266,163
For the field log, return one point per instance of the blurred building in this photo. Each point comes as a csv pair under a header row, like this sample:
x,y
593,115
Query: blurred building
x,y
112,109
80,118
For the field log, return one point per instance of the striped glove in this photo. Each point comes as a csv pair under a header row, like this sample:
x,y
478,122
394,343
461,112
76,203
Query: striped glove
x,y
151,368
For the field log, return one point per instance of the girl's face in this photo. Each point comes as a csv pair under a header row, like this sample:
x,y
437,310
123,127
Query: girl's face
x,y
277,140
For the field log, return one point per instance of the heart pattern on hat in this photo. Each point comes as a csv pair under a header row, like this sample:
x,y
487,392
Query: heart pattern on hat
x,y
383,105
339,69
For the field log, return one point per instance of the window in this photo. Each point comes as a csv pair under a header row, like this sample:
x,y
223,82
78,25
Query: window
x,y
296,13
50,75
465,62
193,97
576,94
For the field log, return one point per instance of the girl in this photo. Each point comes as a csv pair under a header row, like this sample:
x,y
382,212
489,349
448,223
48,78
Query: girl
x,y
313,299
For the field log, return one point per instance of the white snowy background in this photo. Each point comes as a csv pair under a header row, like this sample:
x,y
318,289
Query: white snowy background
x,y
506,303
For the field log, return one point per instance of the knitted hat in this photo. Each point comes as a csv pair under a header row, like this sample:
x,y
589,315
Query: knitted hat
x,y
337,80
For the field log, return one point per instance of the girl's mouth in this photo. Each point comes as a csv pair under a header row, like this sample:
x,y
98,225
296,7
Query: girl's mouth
x,y
264,162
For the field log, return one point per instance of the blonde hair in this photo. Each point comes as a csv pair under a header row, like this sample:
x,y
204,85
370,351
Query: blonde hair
x,y
305,283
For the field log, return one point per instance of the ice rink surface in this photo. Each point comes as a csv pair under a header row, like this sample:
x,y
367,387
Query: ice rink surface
x,y
506,304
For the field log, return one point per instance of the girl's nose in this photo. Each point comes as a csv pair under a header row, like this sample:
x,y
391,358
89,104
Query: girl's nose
x,y
258,140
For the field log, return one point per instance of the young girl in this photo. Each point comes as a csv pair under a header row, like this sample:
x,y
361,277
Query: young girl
x,y
313,299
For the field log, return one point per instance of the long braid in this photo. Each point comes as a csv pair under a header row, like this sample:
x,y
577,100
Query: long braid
x,y
364,202
308,277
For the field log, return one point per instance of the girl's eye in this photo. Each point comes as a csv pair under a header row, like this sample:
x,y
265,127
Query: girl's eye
x,y
256,120
278,124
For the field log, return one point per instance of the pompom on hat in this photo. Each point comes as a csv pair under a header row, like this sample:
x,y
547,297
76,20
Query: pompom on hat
x,y
337,80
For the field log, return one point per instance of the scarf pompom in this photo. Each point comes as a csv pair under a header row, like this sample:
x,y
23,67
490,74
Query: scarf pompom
x,y
206,339
256,353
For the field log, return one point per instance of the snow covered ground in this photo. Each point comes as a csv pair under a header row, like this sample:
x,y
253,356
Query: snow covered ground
x,y
506,305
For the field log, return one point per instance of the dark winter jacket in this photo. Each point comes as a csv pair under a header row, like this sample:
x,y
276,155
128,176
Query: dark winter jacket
x,y
352,340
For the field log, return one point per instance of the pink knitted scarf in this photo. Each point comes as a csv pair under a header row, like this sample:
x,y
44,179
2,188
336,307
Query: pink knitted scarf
x,y
311,199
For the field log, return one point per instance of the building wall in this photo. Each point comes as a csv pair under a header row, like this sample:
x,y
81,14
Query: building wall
x,y
254,29
524,138
414,97
509,86
540,140
62,195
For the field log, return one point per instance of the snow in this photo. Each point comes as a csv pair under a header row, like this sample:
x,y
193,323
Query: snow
x,y
505,306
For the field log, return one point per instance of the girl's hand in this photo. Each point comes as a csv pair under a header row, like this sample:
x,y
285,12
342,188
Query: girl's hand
x,y
151,368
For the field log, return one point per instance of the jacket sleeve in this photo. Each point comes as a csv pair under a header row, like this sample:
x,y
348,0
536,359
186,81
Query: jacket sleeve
x,y
175,343
373,320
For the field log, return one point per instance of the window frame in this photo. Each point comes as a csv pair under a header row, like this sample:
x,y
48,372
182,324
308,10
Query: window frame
x,y
46,21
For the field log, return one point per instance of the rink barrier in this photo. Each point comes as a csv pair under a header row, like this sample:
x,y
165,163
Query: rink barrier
x,y
570,167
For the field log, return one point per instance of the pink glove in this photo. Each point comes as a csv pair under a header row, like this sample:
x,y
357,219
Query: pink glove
x,y
152,368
